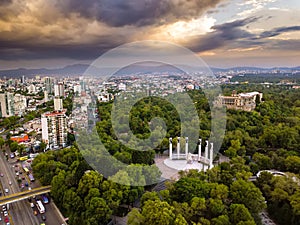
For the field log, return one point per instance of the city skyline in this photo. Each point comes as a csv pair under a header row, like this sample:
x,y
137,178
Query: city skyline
x,y
52,34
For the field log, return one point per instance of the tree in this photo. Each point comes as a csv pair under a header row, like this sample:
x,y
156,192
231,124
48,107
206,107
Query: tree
x,y
97,212
220,191
135,217
264,162
14,146
235,149
43,146
157,212
143,157
239,213
245,192
180,220
221,220
187,188
149,196
2,142
198,205
295,203
216,207
293,164
89,180
58,188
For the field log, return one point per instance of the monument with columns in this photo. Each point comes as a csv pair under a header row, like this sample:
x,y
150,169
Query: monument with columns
x,y
185,160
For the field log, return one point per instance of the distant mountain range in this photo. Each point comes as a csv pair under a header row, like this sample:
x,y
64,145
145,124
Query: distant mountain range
x,y
80,69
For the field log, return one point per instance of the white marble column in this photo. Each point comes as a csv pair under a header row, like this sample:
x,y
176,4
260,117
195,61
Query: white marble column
x,y
206,151
178,147
170,148
199,150
186,146
211,157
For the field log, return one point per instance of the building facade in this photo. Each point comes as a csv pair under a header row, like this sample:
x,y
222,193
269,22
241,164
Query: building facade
x,y
20,104
242,101
59,89
7,104
58,104
54,129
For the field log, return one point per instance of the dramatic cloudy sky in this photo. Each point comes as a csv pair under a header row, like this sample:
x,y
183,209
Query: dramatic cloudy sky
x,y
54,33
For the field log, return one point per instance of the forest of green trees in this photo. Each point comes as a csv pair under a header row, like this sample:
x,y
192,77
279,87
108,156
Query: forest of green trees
x,y
266,138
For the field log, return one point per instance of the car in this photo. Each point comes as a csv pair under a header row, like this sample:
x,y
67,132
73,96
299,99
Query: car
x,y
6,219
12,155
9,182
5,213
26,184
6,190
22,185
7,223
17,173
29,188
1,174
43,217
0,218
45,199
4,208
23,178
35,212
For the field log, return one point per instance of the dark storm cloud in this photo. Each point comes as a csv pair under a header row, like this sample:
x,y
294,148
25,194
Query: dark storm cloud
x,y
235,35
13,50
5,2
139,12
223,34
278,31
287,45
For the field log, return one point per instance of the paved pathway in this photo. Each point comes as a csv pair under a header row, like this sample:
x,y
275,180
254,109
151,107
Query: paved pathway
x,y
265,219
167,172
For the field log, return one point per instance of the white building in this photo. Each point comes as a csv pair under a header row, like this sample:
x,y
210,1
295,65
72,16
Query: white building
x,y
77,89
31,89
242,101
58,104
59,89
20,104
122,87
54,129
6,104
46,98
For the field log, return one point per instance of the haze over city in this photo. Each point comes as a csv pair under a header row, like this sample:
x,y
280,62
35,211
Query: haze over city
x,y
51,34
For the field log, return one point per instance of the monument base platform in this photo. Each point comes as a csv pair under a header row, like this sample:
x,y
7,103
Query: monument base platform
x,y
184,165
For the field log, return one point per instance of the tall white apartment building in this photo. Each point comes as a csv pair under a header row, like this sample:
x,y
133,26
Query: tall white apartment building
x,y
7,104
59,89
20,104
54,128
58,104
77,89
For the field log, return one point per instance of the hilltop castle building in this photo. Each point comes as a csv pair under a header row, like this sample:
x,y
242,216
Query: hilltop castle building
x,y
242,101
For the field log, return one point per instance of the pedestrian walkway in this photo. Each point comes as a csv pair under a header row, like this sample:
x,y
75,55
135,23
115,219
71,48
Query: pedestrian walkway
x,y
167,172
120,220
265,219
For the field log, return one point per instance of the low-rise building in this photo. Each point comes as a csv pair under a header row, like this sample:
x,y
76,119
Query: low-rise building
x,y
242,101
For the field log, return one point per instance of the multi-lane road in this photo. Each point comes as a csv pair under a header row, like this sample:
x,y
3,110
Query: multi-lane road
x,y
21,213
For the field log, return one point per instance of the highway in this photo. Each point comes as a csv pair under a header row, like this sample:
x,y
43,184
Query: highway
x,y
24,195
20,212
